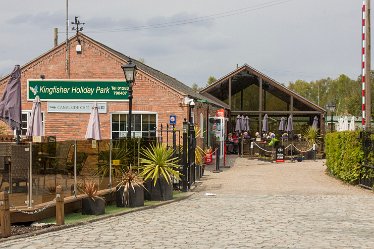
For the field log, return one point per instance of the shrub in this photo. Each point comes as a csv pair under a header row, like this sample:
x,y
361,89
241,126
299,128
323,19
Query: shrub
x,y
344,155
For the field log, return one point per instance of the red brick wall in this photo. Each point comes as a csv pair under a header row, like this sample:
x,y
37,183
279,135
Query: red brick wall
x,y
96,63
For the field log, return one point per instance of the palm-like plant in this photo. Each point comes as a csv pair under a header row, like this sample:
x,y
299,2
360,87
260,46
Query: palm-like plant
x,y
119,152
89,188
129,180
158,161
199,152
311,135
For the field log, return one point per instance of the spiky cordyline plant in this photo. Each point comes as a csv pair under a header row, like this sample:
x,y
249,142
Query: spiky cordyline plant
x,y
89,188
129,179
157,162
199,152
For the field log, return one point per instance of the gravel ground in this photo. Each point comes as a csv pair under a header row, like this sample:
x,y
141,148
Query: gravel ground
x,y
23,229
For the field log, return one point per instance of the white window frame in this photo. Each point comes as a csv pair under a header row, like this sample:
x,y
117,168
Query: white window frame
x,y
28,114
133,113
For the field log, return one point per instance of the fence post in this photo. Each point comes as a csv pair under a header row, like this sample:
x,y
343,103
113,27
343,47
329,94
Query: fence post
x,y
184,158
4,215
60,212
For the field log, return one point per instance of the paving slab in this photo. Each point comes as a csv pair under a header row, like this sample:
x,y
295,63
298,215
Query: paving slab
x,y
252,204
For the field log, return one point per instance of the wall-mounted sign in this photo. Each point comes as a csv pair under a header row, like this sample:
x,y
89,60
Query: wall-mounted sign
x,y
75,107
78,90
173,119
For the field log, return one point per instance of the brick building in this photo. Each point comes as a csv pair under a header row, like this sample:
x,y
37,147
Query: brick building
x,y
156,95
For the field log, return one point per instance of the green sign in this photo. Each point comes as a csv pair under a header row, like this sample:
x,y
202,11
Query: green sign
x,y
78,90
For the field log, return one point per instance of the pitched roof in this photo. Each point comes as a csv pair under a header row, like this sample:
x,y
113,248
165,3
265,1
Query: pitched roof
x,y
268,79
166,79
170,81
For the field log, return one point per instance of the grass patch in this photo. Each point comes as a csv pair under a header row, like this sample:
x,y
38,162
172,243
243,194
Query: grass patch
x,y
110,209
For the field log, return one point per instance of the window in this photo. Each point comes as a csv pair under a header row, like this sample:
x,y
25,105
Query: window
x,y
143,125
25,119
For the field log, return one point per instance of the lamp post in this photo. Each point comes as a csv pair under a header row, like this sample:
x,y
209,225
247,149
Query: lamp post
x,y
331,108
129,70
191,105
191,147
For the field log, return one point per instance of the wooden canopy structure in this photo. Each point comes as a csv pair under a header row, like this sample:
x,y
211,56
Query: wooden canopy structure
x,y
251,93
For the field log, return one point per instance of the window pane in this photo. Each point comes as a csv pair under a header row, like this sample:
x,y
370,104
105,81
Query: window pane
x,y
115,118
152,123
115,135
115,122
123,122
24,123
145,122
137,123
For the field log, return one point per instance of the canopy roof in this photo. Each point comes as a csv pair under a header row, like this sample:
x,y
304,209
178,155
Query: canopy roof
x,y
246,95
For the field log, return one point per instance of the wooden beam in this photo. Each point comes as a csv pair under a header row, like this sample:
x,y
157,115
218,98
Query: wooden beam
x,y
276,112
230,92
260,103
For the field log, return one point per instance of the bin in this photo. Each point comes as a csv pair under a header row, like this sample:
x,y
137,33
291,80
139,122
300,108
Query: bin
x,y
208,158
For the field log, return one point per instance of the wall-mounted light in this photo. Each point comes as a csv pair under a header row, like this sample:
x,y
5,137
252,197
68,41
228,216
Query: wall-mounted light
x,y
78,48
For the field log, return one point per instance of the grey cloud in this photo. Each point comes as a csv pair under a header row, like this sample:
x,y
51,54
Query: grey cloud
x,y
41,19
158,25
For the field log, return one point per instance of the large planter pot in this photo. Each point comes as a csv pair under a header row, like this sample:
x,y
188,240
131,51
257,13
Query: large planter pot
x,y
153,193
136,197
93,206
120,202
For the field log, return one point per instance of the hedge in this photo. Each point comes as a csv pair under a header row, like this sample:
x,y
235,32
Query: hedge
x,y
344,155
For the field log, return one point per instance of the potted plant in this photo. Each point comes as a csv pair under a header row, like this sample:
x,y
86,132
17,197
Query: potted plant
x,y
311,136
159,167
92,204
199,156
131,187
120,153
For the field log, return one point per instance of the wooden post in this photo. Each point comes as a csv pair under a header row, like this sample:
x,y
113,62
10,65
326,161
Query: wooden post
x,y
4,215
55,37
60,212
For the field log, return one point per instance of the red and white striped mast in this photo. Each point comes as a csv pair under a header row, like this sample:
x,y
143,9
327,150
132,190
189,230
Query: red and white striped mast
x,y
366,50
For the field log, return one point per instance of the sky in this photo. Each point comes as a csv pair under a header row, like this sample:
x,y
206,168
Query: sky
x,y
191,40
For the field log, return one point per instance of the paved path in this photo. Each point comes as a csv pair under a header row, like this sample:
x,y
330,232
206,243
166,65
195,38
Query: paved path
x,y
256,205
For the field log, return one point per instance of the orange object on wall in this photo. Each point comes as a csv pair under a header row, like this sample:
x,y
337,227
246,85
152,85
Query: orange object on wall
x,y
220,113
208,158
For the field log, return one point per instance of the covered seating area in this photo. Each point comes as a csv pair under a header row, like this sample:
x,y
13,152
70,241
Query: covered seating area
x,y
258,98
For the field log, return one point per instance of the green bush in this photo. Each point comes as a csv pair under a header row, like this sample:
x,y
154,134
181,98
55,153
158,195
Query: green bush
x,y
344,155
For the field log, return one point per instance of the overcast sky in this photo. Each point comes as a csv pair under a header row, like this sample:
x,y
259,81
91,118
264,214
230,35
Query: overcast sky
x,y
193,39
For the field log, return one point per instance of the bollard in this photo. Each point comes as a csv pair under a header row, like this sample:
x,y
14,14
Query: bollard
x,y
4,215
60,212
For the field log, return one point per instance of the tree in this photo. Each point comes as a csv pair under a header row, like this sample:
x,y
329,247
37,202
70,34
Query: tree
x,y
210,81
196,87
343,91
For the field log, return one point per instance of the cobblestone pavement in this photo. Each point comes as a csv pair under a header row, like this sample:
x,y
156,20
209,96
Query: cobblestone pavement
x,y
255,205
